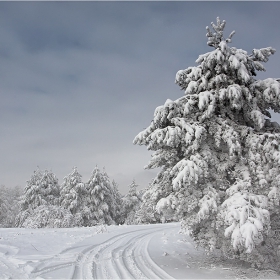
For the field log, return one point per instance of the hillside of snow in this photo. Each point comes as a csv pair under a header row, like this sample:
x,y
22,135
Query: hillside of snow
x,y
112,252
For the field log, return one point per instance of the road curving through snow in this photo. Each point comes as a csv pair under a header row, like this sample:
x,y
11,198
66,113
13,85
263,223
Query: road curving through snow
x,y
124,256
155,251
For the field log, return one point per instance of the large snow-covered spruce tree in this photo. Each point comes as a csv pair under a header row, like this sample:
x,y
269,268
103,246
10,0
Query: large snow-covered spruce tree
x,y
219,152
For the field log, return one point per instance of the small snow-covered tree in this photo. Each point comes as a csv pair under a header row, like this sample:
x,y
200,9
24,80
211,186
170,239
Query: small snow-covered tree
x,y
146,213
119,208
9,205
99,201
73,193
131,203
41,190
113,196
220,153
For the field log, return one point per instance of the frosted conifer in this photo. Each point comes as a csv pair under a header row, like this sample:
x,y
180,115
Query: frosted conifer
x,y
220,153
41,190
119,209
113,197
73,193
131,203
98,208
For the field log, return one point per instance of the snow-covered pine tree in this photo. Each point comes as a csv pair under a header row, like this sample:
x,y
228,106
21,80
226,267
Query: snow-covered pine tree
x,y
98,208
147,214
131,203
220,153
119,209
113,197
41,190
73,194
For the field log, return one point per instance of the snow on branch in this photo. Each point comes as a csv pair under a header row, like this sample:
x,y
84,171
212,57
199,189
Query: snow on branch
x,y
246,217
262,54
186,172
208,203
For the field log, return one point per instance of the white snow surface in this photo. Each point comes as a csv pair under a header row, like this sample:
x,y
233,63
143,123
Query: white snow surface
x,y
156,251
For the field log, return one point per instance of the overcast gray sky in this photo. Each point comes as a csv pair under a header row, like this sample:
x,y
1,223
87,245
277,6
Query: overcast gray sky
x,y
79,80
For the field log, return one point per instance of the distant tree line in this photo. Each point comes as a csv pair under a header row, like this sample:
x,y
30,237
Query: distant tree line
x,y
74,203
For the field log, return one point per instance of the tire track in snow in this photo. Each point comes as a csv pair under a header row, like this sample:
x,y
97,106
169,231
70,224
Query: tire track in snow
x,y
48,265
144,261
120,257
124,257
88,262
13,271
40,272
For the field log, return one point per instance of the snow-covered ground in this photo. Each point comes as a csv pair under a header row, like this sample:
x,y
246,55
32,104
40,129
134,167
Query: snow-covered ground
x,y
142,251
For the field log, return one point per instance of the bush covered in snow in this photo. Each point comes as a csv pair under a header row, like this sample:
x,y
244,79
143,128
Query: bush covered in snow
x,y
220,153
50,216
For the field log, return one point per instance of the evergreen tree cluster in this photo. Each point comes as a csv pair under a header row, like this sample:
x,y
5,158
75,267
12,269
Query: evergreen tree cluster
x,y
45,203
219,153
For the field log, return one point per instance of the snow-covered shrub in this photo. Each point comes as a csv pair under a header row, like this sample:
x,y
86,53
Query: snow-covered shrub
x,y
220,153
101,228
9,205
50,216
166,208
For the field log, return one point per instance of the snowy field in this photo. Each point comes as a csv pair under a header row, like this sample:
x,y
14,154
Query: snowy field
x,y
113,252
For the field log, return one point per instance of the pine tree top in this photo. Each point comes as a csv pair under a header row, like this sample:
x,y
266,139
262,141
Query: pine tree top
x,y
214,39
